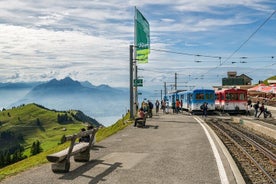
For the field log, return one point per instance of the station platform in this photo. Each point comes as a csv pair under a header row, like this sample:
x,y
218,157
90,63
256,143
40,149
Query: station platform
x,y
172,148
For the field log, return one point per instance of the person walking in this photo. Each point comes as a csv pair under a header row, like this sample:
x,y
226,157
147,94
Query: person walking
x,y
262,109
205,109
256,107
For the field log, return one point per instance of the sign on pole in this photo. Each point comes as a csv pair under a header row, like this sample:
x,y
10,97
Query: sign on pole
x,y
138,82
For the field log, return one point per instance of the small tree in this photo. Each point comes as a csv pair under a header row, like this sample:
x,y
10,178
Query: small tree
x,y
38,123
36,148
62,139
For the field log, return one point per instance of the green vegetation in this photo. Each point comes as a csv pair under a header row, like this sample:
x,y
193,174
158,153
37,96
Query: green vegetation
x,y
270,78
27,124
35,123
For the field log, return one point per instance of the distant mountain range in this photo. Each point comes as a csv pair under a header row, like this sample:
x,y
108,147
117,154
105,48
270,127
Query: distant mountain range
x,y
66,94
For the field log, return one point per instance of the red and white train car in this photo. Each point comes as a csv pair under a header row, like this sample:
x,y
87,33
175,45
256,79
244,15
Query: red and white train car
x,y
231,100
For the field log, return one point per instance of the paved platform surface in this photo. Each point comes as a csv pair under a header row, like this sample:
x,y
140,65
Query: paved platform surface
x,y
172,149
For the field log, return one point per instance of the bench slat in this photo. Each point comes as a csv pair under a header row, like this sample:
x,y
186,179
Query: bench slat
x,y
59,156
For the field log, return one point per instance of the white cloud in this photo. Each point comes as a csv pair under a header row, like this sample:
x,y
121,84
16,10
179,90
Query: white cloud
x,y
89,40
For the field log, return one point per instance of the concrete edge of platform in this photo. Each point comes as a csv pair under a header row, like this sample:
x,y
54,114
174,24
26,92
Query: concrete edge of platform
x,y
234,168
256,126
260,128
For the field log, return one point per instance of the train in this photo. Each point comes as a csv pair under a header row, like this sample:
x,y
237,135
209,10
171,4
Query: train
x,y
192,100
232,101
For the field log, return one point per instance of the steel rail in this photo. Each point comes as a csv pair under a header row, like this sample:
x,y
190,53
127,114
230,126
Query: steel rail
x,y
247,154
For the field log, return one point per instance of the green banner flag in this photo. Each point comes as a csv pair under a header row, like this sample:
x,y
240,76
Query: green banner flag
x,y
142,37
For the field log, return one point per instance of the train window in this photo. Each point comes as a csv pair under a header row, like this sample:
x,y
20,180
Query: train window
x,y
209,96
199,96
221,96
242,97
228,96
234,96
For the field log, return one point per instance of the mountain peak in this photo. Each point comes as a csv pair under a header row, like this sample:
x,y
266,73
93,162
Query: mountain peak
x,y
66,83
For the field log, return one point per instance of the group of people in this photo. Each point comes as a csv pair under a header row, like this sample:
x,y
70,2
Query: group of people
x,y
177,106
146,110
147,107
258,108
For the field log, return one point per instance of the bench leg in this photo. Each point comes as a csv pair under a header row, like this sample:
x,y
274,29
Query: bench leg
x,y
82,156
61,167
141,123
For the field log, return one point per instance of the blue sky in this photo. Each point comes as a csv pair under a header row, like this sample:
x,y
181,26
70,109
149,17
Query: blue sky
x,y
89,40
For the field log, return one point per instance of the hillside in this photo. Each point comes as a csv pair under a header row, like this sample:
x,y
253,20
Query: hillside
x,y
270,78
28,123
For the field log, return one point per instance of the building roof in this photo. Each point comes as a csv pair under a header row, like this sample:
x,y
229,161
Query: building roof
x,y
243,75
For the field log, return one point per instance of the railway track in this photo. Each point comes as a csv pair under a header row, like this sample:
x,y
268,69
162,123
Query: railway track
x,y
255,155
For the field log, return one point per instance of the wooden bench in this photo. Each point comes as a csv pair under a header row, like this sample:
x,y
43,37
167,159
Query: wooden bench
x,y
80,151
141,122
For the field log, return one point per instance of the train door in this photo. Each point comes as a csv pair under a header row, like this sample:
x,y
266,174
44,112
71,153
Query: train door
x,y
189,100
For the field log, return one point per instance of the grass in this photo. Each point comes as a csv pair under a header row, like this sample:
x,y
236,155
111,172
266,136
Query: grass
x,y
39,159
23,120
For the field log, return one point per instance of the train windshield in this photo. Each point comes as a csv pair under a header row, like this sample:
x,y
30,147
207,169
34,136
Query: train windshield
x,y
199,96
202,96
209,96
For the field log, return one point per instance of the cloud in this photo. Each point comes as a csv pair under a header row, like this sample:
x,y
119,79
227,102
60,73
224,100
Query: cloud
x,y
89,40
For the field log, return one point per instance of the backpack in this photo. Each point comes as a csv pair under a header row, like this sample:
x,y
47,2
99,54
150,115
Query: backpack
x,y
201,107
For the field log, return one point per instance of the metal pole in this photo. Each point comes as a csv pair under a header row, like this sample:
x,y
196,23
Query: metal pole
x,y
175,81
161,95
165,90
131,104
135,87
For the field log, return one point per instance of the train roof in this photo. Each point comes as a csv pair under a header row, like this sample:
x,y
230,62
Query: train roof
x,y
195,90
231,89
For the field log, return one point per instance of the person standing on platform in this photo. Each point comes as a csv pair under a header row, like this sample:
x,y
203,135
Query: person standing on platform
x,y
248,107
157,104
173,106
150,107
163,105
177,106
